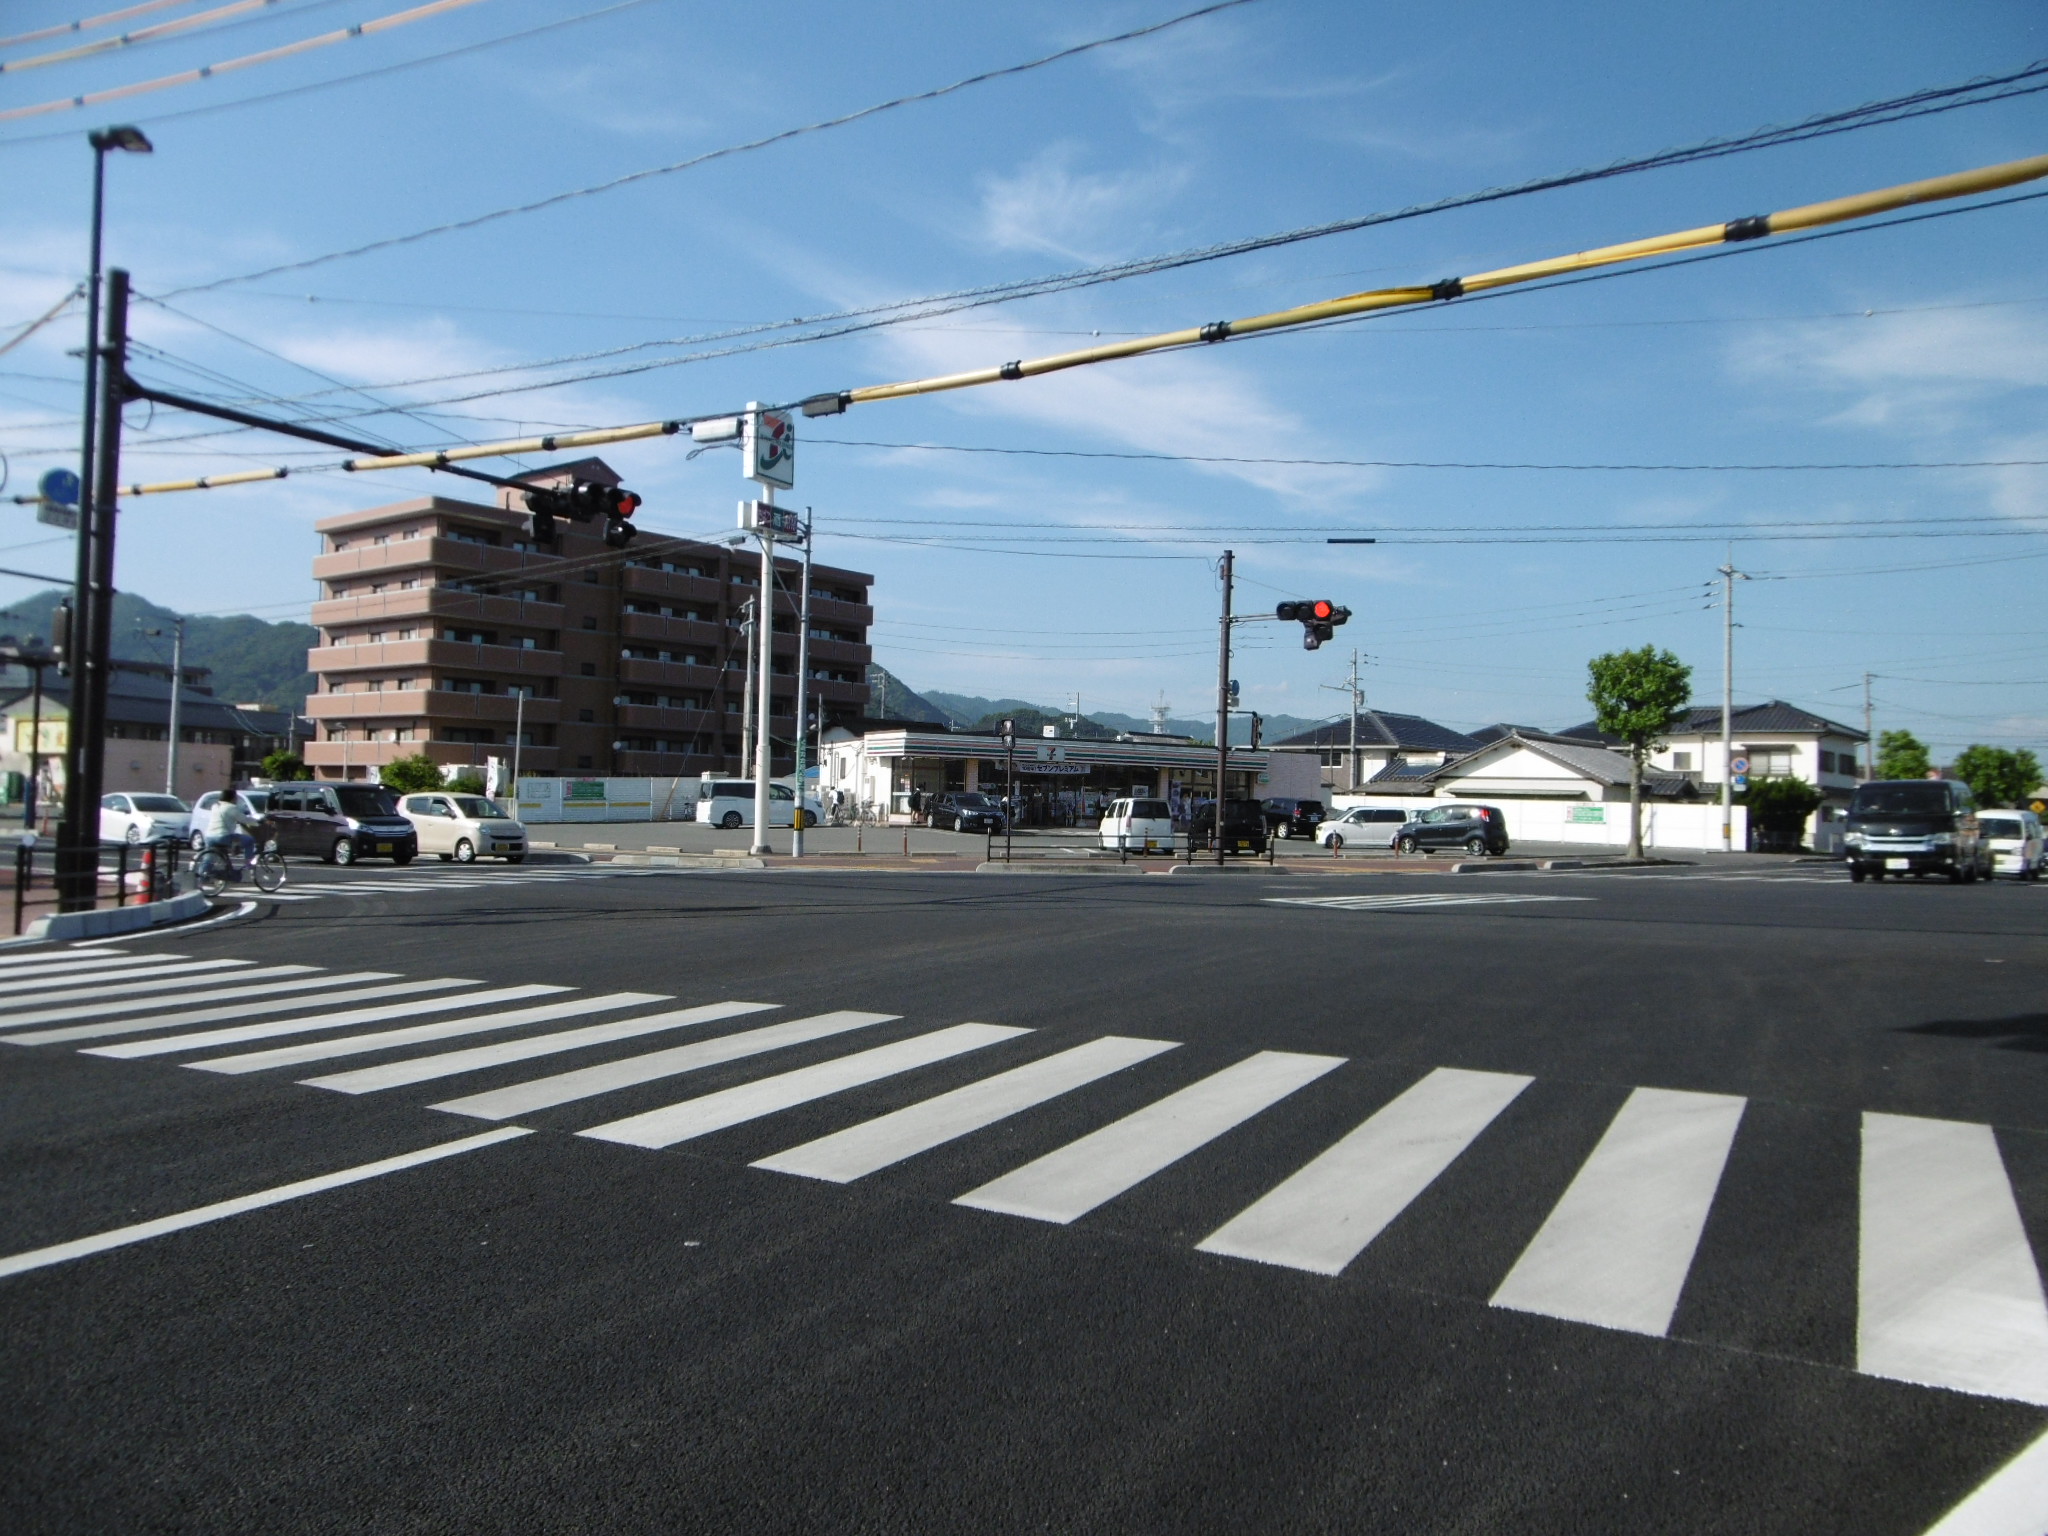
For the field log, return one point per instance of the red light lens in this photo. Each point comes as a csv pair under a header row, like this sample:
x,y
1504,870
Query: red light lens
x,y
1324,610
628,504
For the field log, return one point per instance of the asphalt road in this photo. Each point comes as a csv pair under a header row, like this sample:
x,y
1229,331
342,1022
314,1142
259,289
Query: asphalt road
x,y
1647,1201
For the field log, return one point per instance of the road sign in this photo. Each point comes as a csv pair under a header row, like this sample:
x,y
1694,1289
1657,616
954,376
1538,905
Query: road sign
x,y
1738,765
58,498
783,522
1739,782
770,446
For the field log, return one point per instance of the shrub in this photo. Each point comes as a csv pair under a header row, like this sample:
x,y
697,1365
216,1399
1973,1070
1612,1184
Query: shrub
x,y
1778,809
411,775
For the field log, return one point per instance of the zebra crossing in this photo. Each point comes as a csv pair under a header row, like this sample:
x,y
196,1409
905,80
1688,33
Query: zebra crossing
x,y
1948,1291
1419,901
462,878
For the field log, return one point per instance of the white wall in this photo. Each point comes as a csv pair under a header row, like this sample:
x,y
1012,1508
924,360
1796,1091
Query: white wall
x,y
542,801
1666,825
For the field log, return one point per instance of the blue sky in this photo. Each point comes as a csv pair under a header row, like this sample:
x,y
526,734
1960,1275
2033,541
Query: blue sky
x,y
1925,342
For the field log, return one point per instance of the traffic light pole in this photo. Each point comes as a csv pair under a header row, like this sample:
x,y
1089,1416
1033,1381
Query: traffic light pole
x,y
803,675
764,736
1223,703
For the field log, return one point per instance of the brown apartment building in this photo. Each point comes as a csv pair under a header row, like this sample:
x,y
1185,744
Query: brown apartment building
x,y
435,614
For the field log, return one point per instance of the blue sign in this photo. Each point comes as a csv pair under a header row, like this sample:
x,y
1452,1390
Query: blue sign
x,y
1739,782
60,486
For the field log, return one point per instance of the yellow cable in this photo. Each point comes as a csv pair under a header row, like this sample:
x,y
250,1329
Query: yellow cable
x,y
87,24
139,35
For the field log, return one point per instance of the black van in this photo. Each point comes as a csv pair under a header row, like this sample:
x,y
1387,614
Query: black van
x,y
341,823
1915,827
1244,827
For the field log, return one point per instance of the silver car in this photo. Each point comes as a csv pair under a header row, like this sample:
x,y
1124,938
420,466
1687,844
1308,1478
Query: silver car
x,y
464,828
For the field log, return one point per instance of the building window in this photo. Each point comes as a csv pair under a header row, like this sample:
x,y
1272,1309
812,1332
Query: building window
x,y
470,535
586,716
1681,762
583,761
590,622
590,669
1769,762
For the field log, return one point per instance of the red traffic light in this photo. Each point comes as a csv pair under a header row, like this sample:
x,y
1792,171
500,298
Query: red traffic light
x,y
628,503
1322,608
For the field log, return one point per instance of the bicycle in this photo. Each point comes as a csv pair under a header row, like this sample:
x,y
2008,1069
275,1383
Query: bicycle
x,y
214,870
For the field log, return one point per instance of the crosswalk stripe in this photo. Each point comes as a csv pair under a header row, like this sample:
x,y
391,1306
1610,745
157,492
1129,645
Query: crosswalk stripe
x,y
1416,901
263,990
60,956
421,1069
413,1034
1068,1183
77,988
874,1144
609,1076
84,965
299,1024
79,1248
1324,1216
2013,1501
1616,1248
1947,1291
691,1118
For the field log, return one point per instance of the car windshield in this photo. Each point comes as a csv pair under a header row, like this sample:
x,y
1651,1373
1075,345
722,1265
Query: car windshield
x,y
1912,798
976,802
1150,810
361,801
2000,826
159,803
479,809
259,799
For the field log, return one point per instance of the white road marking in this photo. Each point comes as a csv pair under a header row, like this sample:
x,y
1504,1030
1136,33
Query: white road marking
x,y
74,989
609,1076
862,1149
413,1034
120,1237
1947,1291
2013,1501
273,997
59,956
1417,901
672,1123
1068,1183
1616,1248
104,967
421,1069
1324,1216
300,1024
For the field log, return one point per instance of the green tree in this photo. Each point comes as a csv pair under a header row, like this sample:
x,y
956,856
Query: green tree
x,y
411,775
1901,755
1637,696
285,766
468,782
1778,809
1998,775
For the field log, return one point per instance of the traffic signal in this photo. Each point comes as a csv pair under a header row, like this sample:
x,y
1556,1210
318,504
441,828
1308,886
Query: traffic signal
x,y
584,502
1318,620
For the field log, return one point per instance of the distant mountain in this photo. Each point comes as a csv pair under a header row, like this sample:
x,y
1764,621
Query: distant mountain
x,y
252,661
888,699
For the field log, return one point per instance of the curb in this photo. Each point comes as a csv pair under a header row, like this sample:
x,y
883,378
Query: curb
x,y
681,861
61,927
1492,866
1057,867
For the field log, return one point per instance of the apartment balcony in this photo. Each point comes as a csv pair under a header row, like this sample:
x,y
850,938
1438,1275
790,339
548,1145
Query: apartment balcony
x,y
839,653
436,704
637,718
503,660
707,634
435,603
829,610
339,759
641,582
669,674
456,556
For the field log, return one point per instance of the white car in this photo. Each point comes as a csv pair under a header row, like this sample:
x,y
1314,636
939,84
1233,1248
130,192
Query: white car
x,y
464,828
1141,826
2013,839
255,804
1363,826
143,818
730,803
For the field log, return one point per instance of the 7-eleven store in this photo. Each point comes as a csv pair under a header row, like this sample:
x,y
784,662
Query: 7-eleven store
x,y
1055,778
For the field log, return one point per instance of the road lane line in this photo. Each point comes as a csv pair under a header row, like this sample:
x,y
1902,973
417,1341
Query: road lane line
x,y
421,1069
1615,1250
105,969
862,1149
60,956
2013,1501
1947,1291
299,1024
609,1076
691,1118
265,991
413,1034
1323,1217
141,1231
1068,1183
78,989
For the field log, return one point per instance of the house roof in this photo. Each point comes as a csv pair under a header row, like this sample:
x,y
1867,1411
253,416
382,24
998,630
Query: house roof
x,y
1598,764
1488,734
1379,728
140,699
1773,715
1408,773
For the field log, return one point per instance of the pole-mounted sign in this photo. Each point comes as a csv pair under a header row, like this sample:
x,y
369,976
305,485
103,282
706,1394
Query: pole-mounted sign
x,y
57,498
769,442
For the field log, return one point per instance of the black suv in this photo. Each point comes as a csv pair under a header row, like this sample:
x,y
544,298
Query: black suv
x,y
1478,829
1244,827
1292,818
1907,827
967,811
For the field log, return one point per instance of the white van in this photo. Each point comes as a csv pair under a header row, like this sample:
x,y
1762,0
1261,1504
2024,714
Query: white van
x,y
730,803
2014,841
1141,826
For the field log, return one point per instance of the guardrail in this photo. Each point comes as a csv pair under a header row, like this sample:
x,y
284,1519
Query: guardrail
x,y
128,874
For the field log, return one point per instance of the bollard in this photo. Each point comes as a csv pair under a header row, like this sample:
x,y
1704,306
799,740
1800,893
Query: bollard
x,y
149,873
906,842
856,839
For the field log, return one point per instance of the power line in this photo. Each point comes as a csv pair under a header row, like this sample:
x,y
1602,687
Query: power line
x,y
220,19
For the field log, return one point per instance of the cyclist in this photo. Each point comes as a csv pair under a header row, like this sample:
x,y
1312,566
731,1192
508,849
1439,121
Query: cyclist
x,y
226,828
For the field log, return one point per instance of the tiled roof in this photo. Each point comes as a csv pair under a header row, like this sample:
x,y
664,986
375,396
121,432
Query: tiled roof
x,y
1378,728
1403,773
1776,715
1598,764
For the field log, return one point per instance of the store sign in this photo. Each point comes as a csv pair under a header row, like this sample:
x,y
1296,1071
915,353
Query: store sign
x,y
52,735
1078,770
1587,815
583,789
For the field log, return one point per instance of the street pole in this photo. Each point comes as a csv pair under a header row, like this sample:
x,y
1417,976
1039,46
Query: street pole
x,y
518,741
747,686
803,676
1869,734
764,739
1729,576
1010,785
35,752
177,691
1354,720
1223,702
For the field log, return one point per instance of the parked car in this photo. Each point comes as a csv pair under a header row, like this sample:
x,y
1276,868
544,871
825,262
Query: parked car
x,y
143,818
341,823
464,828
730,803
1244,827
967,811
255,805
1915,827
1288,817
1478,829
2014,839
1139,826
1368,826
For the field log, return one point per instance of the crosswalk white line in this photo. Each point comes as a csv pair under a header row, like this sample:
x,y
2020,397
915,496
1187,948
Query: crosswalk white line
x,y
413,1034
1947,1291
874,1144
1066,1184
74,955
1615,1250
691,1118
65,989
610,1076
421,1069
1416,902
264,991
1323,1217
299,1024
2013,1501
120,1237
84,965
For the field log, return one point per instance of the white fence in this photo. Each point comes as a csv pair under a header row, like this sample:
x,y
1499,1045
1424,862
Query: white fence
x,y
1601,824
558,800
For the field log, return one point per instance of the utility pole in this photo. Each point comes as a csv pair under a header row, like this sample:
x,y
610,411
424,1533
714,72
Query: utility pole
x,y
177,685
1729,576
803,680
747,689
1223,702
518,739
764,622
1357,702
1869,734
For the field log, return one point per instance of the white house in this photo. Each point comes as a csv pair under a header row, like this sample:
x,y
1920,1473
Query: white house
x,y
1780,740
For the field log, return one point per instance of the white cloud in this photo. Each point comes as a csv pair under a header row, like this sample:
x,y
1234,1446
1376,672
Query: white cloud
x,y
1051,207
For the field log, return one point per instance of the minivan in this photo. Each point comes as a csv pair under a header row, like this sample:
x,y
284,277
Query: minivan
x,y
1478,829
1137,826
1917,827
341,823
729,803
1244,827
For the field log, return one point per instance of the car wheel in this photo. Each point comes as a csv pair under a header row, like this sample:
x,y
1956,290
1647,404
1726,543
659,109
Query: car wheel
x,y
1476,846
515,858
444,857
1876,875
1855,875
344,852
1405,844
134,833
730,820
197,841
403,858
1956,875
465,851
1335,839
